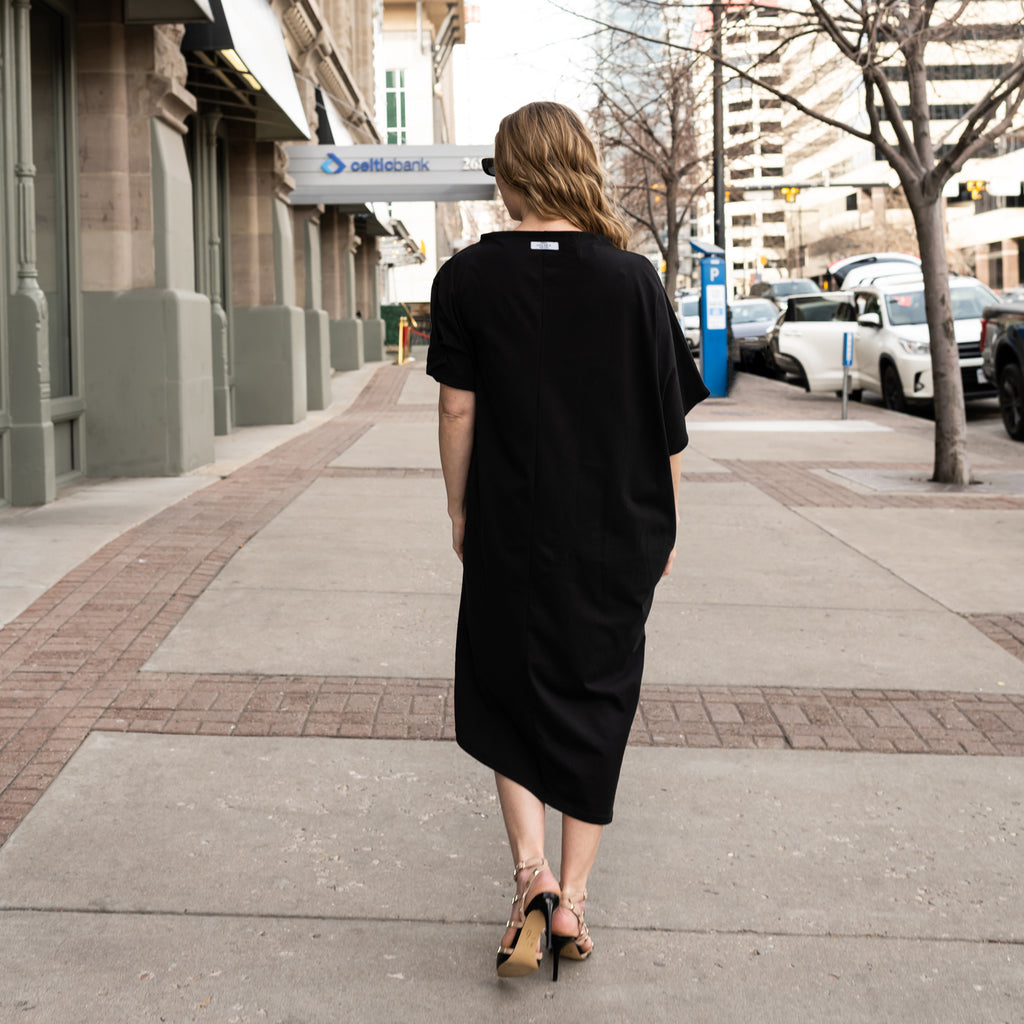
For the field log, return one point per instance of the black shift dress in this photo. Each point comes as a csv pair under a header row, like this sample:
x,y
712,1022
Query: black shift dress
x,y
582,378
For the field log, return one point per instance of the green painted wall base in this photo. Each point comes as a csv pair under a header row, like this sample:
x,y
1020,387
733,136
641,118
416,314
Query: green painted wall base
x,y
346,344
373,340
223,418
33,477
149,385
318,359
270,365
33,460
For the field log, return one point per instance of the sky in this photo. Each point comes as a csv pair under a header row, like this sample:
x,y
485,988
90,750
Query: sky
x,y
519,51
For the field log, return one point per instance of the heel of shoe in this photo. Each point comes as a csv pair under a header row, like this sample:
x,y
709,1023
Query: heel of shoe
x,y
559,942
546,902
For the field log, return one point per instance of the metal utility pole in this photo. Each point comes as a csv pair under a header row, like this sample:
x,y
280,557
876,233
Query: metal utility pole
x,y
718,129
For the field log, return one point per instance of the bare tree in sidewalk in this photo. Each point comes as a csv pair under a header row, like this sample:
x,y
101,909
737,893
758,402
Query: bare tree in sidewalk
x,y
644,118
895,52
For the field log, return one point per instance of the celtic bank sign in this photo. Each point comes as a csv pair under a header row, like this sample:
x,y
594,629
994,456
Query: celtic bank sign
x,y
375,174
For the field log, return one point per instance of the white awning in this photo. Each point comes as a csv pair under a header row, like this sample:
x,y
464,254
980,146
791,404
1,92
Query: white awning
x,y
340,135
244,51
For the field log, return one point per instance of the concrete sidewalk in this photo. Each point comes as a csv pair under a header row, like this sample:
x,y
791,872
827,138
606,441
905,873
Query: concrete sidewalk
x,y
221,801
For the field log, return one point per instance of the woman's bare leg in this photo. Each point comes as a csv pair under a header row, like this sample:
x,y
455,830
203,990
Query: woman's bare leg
x,y
524,822
580,840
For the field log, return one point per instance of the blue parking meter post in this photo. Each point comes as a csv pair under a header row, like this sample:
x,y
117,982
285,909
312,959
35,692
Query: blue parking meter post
x,y
714,335
847,363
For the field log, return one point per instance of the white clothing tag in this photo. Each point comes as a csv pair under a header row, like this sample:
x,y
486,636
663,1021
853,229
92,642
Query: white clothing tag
x,y
552,246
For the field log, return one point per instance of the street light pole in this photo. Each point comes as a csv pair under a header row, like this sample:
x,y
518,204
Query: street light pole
x,y
718,130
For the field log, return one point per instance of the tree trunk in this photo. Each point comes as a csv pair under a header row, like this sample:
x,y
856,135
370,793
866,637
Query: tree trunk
x,y
951,464
671,251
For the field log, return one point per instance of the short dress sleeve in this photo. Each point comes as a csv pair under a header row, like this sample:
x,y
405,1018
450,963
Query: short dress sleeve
x,y
449,357
681,384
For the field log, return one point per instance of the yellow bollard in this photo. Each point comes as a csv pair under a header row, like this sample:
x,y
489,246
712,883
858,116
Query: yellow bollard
x,y
403,333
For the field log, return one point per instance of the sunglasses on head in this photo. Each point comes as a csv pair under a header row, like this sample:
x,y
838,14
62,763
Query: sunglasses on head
x,y
487,165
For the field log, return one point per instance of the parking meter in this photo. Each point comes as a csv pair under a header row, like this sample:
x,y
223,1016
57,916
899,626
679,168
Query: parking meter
x,y
847,363
714,326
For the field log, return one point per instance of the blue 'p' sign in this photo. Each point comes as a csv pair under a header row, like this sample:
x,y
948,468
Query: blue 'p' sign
x,y
848,348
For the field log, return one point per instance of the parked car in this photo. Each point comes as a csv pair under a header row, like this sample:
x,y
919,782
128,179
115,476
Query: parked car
x,y
891,354
779,291
837,272
751,321
807,340
688,313
1002,351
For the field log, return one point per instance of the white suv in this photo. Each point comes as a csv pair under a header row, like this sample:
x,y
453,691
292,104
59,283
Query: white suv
x,y
891,354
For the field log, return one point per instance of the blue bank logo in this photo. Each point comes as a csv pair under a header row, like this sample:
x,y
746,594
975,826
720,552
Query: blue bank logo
x,y
335,165
332,165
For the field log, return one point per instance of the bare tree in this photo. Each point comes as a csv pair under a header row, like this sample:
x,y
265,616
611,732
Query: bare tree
x,y
891,47
644,118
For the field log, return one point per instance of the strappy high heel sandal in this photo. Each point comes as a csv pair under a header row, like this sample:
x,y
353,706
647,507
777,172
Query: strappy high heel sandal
x,y
573,947
521,957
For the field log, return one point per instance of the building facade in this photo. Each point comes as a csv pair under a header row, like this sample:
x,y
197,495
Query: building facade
x,y
415,99
160,288
862,208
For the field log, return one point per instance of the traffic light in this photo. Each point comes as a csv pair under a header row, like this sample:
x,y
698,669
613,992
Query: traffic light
x,y
976,188
790,192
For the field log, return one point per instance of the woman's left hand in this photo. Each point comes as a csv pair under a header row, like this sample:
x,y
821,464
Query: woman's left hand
x,y
458,534
668,564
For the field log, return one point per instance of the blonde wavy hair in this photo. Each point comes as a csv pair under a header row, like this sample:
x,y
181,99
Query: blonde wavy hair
x,y
543,151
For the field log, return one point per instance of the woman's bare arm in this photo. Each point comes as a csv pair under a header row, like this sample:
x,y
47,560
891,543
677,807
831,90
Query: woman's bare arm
x,y
456,411
676,465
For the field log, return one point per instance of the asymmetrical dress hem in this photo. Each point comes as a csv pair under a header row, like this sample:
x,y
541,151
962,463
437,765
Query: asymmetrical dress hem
x,y
582,380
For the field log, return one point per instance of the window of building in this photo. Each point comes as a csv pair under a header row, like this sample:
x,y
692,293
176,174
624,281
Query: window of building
x,y
851,202
771,172
769,127
775,241
394,101
50,105
744,220
771,103
740,105
774,217
950,72
770,147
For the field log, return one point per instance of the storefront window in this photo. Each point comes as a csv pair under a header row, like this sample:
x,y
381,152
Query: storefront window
x,y
394,96
49,153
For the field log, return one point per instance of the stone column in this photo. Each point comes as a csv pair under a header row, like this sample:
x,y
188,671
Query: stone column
x,y
269,332
1011,263
33,472
148,376
347,352
981,263
210,265
373,325
318,328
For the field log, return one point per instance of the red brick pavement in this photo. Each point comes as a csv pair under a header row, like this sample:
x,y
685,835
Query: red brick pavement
x,y
71,662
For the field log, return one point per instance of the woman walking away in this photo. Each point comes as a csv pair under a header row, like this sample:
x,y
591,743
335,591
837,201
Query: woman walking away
x,y
564,383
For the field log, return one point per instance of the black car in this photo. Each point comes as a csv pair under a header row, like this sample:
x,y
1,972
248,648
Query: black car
x,y
751,322
1002,353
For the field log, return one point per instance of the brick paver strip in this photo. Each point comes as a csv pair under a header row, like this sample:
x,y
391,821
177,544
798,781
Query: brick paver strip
x,y
71,663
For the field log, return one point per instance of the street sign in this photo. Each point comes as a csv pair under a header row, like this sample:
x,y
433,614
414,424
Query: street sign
x,y
346,175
